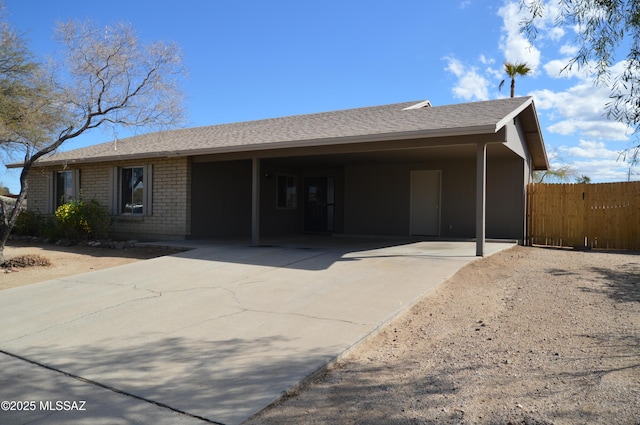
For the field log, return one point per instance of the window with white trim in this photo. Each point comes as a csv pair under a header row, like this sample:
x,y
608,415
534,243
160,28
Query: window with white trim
x,y
131,190
64,186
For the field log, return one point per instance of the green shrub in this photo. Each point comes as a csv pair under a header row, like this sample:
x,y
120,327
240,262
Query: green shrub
x,y
98,218
31,223
83,220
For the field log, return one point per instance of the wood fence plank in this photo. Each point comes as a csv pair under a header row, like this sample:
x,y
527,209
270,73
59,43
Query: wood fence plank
x,y
602,215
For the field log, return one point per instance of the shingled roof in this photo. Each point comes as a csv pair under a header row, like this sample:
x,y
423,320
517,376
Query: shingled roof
x,y
399,121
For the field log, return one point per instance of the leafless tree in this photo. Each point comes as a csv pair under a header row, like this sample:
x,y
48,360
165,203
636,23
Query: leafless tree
x,y
106,78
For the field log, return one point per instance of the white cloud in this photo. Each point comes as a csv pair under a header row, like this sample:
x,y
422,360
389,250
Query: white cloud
x,y
609,130
557,68
569,49
580,102
590,149
571,107
454,66
580,109
486,61
601,171
471,85
546,24
555,33
497,74
514,44
595,160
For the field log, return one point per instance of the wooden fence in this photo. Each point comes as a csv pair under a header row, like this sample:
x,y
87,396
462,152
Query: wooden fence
x,y
603,215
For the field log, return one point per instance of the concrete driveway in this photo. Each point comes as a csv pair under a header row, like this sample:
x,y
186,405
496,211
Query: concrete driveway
x,y
211,335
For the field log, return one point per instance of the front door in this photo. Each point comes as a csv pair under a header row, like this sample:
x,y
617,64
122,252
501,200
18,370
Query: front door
x,y
425,202
319,204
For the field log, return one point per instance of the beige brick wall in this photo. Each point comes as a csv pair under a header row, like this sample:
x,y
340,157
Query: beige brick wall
x,y
38,182
171,197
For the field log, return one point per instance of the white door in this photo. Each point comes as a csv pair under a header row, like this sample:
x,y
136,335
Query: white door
x,y
425,202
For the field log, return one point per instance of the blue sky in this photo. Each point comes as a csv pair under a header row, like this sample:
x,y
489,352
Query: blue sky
x,y
254,59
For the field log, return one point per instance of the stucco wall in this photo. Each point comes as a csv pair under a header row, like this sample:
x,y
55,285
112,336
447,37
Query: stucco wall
x,y
377,198
274,220
221,199
458,198
506,197
171,188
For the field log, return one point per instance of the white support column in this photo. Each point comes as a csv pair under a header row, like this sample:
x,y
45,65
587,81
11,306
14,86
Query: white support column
x,y
255,201
481,197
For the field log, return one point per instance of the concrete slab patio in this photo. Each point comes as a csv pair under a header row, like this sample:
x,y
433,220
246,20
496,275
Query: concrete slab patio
x,y
210,335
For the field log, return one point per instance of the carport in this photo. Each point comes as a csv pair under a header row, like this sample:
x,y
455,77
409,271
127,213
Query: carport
x,y
365,193
456,182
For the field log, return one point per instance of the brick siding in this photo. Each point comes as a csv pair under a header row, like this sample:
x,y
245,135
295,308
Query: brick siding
x,y
171,197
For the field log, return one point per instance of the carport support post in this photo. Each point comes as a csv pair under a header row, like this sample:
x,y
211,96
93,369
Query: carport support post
x,y
255,201
481,197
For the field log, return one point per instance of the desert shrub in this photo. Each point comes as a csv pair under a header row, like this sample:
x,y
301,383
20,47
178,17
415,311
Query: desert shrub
x,y
98,217
71,221
25,261
31,223
81,219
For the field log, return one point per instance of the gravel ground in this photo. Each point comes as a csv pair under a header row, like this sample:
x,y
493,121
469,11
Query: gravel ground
x,y
526,336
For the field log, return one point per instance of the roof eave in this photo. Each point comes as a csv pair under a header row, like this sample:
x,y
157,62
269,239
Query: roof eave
x,y
448,132
539,158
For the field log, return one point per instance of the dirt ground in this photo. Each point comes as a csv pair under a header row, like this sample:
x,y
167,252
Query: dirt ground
x,y
526,336
68,261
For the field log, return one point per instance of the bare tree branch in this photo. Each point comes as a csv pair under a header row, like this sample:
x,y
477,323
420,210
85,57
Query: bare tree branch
x,y
107,78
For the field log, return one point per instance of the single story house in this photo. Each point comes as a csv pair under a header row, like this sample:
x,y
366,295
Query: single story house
x,y
407,169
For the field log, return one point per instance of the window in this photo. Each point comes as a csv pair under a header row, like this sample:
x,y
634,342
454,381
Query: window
x,y
63,187
287,192
64,190
130,192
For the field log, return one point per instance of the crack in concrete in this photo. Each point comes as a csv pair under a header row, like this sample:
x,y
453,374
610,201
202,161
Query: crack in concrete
x,y
212,319
328,319
275,313
66,322
242,309
238,305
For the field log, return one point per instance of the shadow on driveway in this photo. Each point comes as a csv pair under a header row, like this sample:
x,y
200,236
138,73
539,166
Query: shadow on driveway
x,y
218,332
178,375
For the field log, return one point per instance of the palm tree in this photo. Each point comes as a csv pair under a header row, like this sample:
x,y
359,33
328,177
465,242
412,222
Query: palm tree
x,y
512,70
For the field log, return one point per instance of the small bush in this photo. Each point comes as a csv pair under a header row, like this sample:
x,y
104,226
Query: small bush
x,y
30,223
71,221
83,220
28,260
